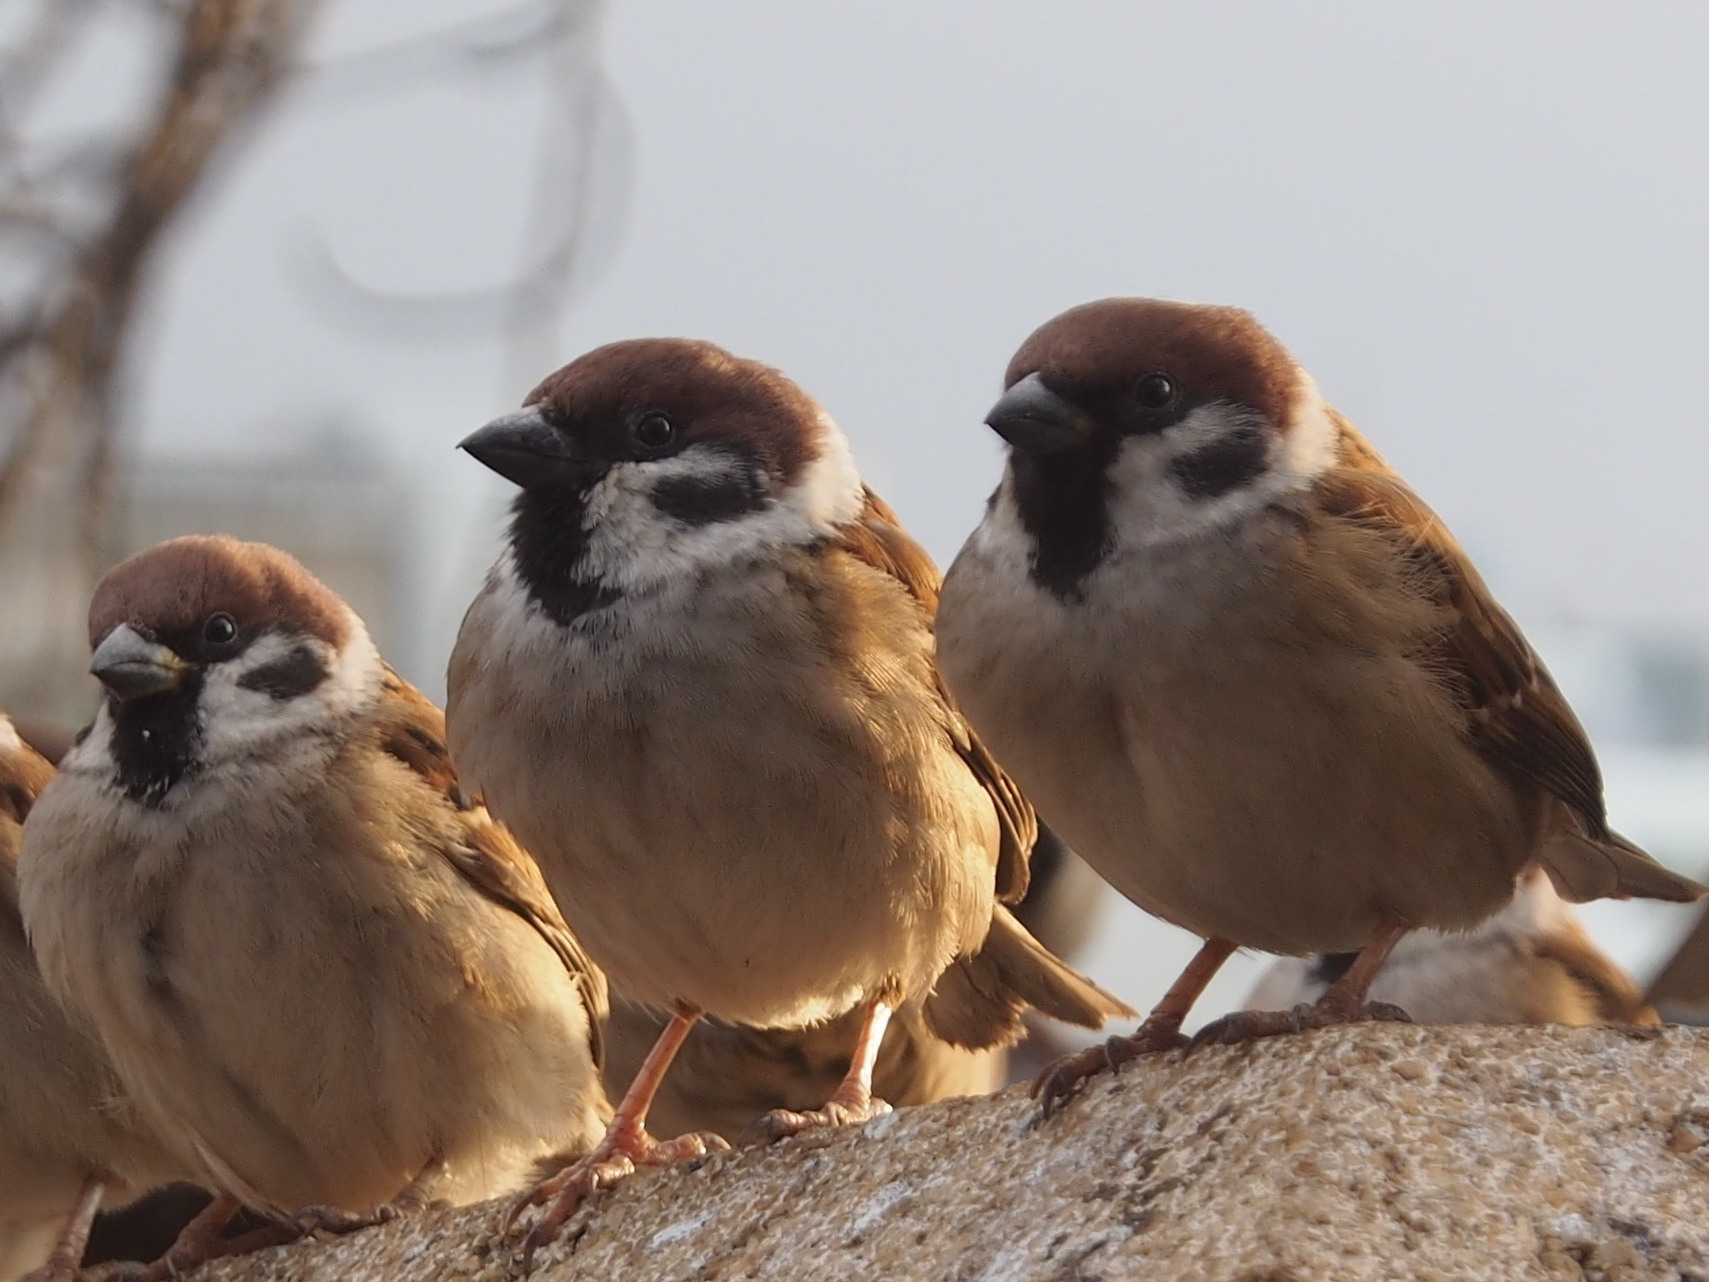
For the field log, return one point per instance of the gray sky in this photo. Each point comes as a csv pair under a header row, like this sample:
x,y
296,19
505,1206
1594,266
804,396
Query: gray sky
x,y
1481,226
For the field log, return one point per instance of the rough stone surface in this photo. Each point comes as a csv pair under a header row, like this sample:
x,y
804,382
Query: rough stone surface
x,y
1376,1152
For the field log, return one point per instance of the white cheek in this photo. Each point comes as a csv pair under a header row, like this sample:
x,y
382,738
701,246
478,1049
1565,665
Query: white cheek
x,y
239,723
634,546
1149,506
1313,437
9,740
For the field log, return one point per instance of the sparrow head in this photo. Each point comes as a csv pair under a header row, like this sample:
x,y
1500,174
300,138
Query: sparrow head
x,y
1135,422
214,651
653,459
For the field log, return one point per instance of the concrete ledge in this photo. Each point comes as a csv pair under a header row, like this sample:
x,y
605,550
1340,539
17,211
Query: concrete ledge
x,y
1377,1152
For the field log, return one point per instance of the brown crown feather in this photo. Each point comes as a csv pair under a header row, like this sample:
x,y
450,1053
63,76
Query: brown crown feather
x,y
710,394
1095,353
174,586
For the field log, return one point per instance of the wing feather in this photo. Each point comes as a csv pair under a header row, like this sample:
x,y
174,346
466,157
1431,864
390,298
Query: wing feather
x,y
877,539
412,729
1514,712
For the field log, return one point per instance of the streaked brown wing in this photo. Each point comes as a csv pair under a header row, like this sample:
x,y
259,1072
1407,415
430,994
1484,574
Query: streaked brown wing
x,y
878,539
412,729
1515,714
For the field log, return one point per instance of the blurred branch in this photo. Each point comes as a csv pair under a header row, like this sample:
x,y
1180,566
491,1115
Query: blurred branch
x,y
489,40
61,354
26,66
576,130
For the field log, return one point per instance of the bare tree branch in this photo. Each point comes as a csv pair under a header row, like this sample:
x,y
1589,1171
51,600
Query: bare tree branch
x,y
230,58
583,126
489,40
82,219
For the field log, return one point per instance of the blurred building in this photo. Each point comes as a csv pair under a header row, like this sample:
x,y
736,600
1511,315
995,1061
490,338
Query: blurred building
x,y
327,497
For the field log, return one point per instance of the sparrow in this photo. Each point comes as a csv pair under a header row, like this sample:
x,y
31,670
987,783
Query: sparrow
x,y
699,684
1531,963
320,968
1248,674
69,1139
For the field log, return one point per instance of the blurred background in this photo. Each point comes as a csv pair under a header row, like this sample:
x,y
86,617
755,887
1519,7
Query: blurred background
x,y
264,262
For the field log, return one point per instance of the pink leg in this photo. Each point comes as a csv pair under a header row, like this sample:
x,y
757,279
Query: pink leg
x,y
626,1145
851,1102
414,1197
1343,1003
1161,1031
66,1262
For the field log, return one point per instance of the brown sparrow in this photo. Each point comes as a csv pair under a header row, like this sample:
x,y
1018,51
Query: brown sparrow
x,y
69,1140
1246,671
699,683
319,967
1531,963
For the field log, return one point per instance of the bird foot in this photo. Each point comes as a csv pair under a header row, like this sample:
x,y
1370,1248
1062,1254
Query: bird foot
x,y
782,1123
61,1268
1250,1025
616,1158
333,1220
64,1270
200,1241
1060,1082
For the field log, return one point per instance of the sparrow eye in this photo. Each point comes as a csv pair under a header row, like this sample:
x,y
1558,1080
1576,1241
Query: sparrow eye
x,y
654,430
1155,391
220,629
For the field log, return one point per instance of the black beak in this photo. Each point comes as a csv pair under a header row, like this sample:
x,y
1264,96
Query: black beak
x,y
527,450
1033,418
131,666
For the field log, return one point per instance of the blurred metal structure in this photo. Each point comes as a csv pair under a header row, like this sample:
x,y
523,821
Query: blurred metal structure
x,y
83,222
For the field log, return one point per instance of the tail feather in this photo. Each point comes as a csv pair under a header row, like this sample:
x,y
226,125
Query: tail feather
x,y
1584,869
1684,981
979,1000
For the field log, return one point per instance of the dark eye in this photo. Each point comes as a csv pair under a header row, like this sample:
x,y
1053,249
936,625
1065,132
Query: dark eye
x,y
1154,391
654,430
220,629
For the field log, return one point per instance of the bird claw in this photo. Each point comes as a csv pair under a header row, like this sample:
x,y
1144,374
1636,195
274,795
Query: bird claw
x,y
783,1123
1250,1025
1061,1081
615,1159
331,1219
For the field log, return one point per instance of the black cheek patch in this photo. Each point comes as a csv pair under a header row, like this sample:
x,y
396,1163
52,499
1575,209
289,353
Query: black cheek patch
x,y
297,673
1223,465
705,500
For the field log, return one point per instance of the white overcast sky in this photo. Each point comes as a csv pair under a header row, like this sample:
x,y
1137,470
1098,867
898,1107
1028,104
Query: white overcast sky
x,y
1482,226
